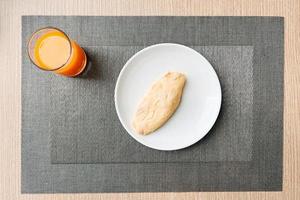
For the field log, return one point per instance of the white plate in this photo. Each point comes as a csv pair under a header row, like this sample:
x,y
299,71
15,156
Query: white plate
x,y
201,100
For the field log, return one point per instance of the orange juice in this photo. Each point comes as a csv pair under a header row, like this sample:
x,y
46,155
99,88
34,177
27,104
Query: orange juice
x,y
54,51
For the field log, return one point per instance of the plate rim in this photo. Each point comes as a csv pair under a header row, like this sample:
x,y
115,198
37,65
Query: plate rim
x,y
117,85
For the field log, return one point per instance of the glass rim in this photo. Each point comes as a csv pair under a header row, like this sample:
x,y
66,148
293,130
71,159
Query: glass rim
x,y
54,28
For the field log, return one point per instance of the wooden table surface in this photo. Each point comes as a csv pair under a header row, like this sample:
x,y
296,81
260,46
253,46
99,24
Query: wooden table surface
x,y
10,83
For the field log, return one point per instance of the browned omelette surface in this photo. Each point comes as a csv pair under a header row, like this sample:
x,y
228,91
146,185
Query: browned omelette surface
x,y
159,104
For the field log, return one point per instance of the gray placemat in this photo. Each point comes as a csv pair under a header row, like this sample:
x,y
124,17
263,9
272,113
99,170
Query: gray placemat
x,y
262,165
85,128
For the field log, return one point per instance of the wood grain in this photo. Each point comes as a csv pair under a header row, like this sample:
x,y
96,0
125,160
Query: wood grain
x,y
10,83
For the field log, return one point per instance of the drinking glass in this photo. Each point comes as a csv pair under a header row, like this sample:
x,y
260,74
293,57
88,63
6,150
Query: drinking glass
x,y
50,49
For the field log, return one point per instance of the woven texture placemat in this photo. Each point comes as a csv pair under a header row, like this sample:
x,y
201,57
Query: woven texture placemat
x,y
110,41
